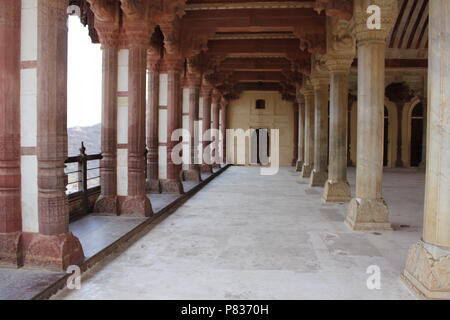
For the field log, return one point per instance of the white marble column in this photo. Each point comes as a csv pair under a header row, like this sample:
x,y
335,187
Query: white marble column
x,y
368,211
428,263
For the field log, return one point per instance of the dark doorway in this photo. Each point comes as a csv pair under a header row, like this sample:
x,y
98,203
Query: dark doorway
x,y
261,140
386,137
417,118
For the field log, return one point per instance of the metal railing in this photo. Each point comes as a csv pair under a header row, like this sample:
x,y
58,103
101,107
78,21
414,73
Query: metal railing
x,y
83,173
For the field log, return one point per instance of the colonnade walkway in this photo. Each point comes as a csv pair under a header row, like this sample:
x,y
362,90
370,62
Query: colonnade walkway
x,y
247,236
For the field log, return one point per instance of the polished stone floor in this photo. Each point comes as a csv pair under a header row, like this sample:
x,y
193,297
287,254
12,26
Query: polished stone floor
x,y
95,234
247,236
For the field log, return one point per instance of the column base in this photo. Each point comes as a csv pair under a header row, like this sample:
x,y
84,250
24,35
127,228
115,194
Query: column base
x,y
191,175
52,252
106,205
337,192
153,186
318,179
206,168
172,186
422,166
299,166
427,270
11,249
368,215
306,171
138,206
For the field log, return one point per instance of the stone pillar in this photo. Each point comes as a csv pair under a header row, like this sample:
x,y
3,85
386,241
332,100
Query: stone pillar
x,y
136,203
10,177
153,185
337,188
223,129
428,264
301,133
173,65
107,202
206,91
54,246
215,106
296,135
308,164
319,174
194,82
368,211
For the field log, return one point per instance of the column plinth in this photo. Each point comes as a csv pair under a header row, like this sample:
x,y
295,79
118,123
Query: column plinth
x,y
427,267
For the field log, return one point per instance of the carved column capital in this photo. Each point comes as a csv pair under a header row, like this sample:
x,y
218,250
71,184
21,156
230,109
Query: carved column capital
x,y
153,63
172,63
216,96
389,13
194,80
339,64
206,89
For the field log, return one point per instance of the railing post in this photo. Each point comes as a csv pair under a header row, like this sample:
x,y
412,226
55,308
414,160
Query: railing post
x,y
82,164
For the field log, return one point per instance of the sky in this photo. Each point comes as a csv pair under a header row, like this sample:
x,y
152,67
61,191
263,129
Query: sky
x,y
84,77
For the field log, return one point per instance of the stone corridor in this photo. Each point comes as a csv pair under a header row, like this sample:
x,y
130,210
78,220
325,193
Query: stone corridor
x,y
247,236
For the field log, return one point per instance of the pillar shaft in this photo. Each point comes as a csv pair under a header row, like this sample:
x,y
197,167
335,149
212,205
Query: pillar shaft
x,y
301,135
194,84
107,202
223,113
337,188
153,127
206,94
296,135
428,263
309,133
319,174
10,179
215,107
173,182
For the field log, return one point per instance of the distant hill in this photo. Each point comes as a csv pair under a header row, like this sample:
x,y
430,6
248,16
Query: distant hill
x,y
91,136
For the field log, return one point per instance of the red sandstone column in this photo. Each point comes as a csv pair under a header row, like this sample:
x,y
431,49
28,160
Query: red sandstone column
x,y
10,205
54,246
136,203
194,83
153,186
174,67
215,105
206,94
223,113
107,202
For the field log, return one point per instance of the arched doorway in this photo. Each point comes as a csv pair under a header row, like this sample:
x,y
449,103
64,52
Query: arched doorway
x,y
417,127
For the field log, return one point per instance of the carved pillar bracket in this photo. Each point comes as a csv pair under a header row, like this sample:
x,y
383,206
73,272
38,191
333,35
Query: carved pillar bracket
x,y
368,211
